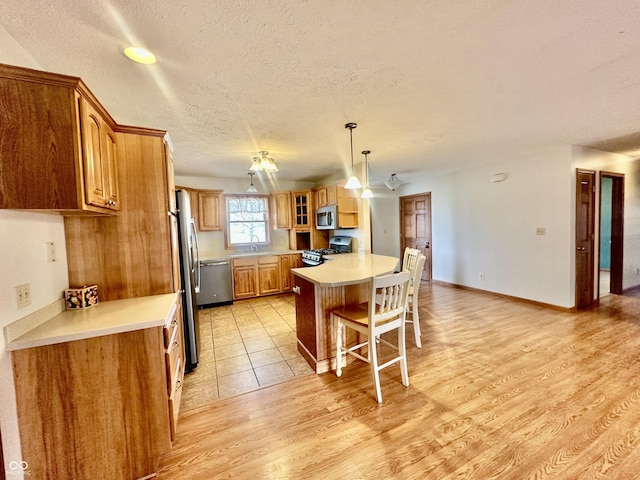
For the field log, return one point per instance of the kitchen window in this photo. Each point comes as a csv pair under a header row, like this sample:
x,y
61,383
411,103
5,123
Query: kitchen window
x,y
247,220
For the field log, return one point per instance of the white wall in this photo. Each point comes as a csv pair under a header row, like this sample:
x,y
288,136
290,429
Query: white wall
x,y
490,228
385,222
24,260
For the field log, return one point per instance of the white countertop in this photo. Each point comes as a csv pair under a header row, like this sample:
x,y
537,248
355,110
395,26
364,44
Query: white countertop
x,y
347,269
105,318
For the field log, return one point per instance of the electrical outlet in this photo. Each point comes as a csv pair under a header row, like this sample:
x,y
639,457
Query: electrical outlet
x,y
541,231
23,295
482,276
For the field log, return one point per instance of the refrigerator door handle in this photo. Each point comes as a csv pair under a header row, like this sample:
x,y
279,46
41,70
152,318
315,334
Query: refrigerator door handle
x,y
195,261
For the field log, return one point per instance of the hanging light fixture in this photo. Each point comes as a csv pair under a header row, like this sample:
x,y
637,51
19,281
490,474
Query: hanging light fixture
x,y
353,181
366,193
393,182
263,163
252,187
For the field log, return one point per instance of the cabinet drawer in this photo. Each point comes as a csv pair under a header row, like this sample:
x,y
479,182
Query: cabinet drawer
x,y
267,259
169,328
174,397
244,262
174,357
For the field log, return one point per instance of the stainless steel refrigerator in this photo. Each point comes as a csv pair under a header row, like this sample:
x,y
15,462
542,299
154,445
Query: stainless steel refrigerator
x,y
189,278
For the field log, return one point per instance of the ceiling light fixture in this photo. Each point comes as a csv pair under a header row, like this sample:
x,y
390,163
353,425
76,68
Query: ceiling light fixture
x,y
263,163
353,181
140,55
366,193
393,182
252,188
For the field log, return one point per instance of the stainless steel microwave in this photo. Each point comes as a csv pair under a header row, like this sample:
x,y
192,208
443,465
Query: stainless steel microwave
x,y
327,217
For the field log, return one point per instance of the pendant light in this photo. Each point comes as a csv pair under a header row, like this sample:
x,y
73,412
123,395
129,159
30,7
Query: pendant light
x,y
252,188
353,181
366,193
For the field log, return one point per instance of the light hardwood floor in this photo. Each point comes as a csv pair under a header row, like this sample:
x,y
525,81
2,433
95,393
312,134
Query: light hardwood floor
x,y
500,390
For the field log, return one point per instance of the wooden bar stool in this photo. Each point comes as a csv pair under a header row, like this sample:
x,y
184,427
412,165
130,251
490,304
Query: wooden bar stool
x,y
385,311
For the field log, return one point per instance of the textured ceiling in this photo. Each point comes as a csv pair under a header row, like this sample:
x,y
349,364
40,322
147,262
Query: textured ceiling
x,y
433,85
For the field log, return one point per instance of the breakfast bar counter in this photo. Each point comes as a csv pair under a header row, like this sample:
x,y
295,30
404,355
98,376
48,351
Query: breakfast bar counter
x,y
342,279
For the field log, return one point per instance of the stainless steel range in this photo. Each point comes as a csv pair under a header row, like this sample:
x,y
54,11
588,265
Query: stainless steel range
x,y
337,244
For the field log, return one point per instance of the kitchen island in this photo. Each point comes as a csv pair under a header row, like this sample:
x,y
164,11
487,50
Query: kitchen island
x,y
342,279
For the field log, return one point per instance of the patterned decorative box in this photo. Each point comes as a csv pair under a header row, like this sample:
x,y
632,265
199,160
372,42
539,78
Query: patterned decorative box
x,y
81,297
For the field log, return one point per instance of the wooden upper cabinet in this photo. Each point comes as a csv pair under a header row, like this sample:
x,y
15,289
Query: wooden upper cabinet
x,y
100,159
321,197
280,210
52,129
209,203
326,195
347,208
302,209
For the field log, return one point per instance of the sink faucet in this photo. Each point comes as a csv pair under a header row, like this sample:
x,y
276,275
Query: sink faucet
x,y
254,247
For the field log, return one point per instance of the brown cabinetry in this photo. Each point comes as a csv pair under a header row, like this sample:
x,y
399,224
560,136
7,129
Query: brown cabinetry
x,y
347,208
268,275
287,262
280,210
132,254
100,159
99,407
57,148
209,206
174,363
326,195
263,274
245,277
302,209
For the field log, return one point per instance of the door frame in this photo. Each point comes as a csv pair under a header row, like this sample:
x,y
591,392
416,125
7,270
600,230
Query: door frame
x,y
428,268
617,230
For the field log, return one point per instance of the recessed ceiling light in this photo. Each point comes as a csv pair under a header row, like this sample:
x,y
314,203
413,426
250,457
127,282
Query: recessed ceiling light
x,y
140,55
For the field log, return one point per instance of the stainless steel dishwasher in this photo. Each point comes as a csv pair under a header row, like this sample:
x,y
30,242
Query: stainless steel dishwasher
x,y
216,284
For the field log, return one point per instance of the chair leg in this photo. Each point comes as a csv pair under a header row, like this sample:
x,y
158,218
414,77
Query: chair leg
x,y
416,324
339,333
402,350
373,361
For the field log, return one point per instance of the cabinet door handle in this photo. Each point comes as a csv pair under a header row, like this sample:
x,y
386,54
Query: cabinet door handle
x,y
296,289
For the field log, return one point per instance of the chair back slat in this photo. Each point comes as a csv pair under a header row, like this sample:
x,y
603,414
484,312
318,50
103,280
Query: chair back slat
x,y
410,259
390,294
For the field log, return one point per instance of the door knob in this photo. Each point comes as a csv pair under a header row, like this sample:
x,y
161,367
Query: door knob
x,y
581,249
426,245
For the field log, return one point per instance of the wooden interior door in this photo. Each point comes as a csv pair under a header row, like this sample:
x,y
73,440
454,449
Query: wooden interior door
x,y
415,227
617,228
585,202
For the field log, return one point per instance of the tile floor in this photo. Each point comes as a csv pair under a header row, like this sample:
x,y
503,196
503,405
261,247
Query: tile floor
x,y
243,347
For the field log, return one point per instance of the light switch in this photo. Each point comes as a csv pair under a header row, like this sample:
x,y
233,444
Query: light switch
x,y
51,252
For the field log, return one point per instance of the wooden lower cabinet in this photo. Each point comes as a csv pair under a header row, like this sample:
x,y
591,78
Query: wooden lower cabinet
x,y
245,277
258,275
100,407
287,262
174,364
269,274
